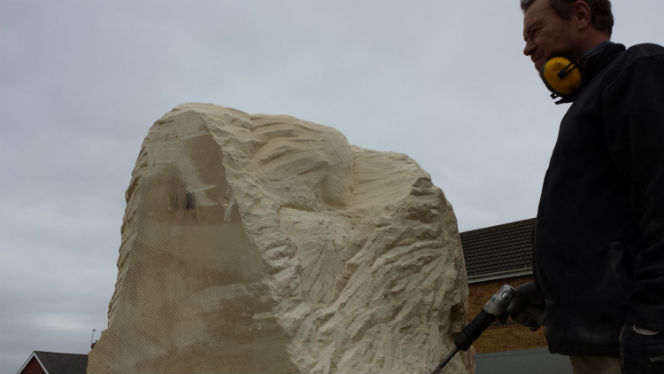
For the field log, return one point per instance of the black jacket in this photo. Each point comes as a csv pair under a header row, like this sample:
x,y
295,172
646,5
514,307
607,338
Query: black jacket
x,y
599,238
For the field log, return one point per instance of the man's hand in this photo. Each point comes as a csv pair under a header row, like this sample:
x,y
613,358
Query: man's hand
x,y
527,307
641,350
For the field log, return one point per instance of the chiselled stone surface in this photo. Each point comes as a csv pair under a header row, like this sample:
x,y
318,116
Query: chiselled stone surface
x,y
255,243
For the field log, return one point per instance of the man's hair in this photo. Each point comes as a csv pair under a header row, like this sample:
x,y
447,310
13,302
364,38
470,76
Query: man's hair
x,y
601,18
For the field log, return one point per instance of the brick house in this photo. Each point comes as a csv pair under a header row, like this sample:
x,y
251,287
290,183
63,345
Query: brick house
x,y
40,362
495,256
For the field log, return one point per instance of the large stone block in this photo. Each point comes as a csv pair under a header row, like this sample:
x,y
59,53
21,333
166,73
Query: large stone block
x,y
255,243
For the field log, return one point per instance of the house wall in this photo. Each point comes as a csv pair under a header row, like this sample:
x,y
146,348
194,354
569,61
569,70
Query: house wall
x,y
497,337
33,367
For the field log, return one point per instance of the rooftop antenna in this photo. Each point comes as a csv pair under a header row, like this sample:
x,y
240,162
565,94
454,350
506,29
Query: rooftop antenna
x,y
92,337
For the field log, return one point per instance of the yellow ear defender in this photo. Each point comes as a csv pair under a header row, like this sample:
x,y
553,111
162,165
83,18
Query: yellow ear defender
x,y
561,76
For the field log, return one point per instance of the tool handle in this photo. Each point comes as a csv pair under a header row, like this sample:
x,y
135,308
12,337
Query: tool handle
x,y
474,329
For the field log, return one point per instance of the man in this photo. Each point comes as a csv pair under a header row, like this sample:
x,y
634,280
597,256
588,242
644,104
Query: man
x,y
598,255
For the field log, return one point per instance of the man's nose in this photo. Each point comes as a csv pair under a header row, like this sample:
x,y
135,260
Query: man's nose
x,y
528,49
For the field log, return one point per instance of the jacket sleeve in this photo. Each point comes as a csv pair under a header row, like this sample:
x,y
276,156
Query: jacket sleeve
x,y
633,111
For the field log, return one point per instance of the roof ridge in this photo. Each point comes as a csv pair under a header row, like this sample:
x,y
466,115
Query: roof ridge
x,y
62,353
513,223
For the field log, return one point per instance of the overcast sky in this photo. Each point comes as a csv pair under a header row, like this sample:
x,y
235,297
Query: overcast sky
x,y
82,81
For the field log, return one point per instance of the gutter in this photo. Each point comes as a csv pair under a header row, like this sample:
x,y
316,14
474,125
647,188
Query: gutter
x,y
500,275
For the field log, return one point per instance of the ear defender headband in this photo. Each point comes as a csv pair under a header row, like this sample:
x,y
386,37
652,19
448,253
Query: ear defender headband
x,y
562,77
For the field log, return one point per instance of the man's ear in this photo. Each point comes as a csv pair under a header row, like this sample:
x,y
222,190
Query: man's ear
x,y
581,14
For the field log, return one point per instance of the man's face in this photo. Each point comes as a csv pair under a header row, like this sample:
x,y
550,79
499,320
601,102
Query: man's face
x,y
546,34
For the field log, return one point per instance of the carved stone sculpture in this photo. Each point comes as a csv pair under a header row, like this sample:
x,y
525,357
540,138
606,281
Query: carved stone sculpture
x,y
268,244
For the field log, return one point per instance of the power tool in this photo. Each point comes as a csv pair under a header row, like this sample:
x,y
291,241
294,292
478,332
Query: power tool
x,y
496,307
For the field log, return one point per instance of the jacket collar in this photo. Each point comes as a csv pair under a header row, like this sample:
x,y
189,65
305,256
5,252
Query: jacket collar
x,y
597,57
594,61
